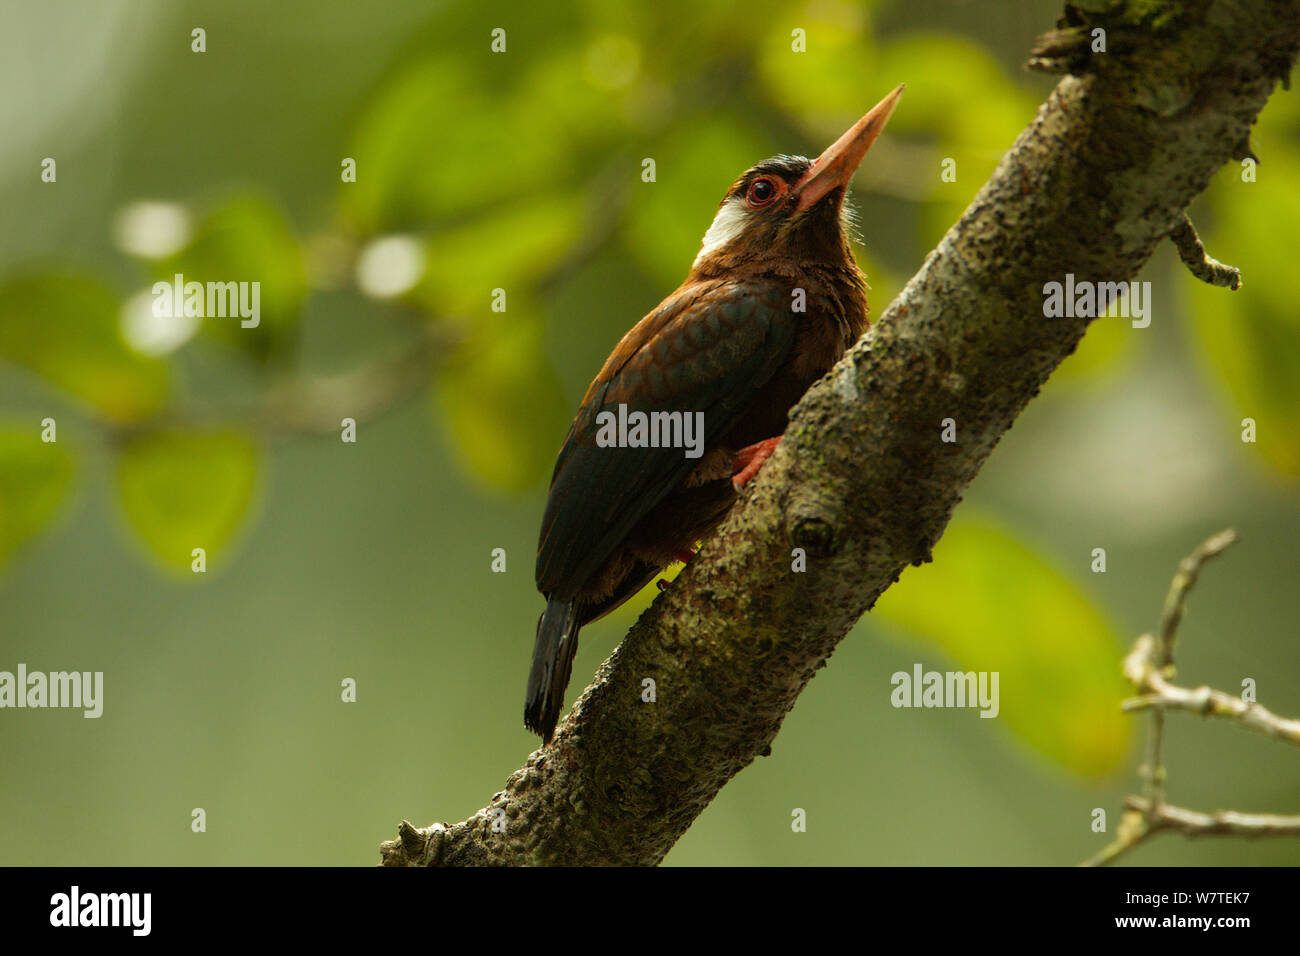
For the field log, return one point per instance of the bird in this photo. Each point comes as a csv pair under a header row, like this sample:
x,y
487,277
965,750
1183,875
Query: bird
x,y
695,397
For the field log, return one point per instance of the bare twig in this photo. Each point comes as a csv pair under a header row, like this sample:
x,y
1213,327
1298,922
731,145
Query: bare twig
x,y
1188,571
1219,823
1148,667
1207,702
1160,656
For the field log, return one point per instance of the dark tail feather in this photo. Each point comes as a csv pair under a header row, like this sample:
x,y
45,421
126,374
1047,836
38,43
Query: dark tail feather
x,y
557,642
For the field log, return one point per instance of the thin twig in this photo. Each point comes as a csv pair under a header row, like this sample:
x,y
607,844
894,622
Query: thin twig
x,y
1219,823
1148,667
1207,702
1142,820
1188,571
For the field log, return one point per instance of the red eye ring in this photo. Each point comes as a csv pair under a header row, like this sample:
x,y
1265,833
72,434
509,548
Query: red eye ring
x,y
762,191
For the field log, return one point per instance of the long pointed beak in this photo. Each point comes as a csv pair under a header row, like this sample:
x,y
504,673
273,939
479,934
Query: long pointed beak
x,y
836,166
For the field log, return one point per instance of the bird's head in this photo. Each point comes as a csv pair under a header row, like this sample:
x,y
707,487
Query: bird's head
x,y
791,207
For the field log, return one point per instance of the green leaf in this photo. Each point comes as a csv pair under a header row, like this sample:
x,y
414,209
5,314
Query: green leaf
x,y
34,477
245,239
187,490
521,242
693,168
812,85
1108,346
961,94
66,328
503,404
960,100
992,604
414,164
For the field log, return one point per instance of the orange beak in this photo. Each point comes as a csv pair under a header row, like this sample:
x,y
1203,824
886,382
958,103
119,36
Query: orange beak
x,y
836,166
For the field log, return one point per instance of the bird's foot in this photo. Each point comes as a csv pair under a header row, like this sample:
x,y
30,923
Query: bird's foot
x,y
684,555
748,460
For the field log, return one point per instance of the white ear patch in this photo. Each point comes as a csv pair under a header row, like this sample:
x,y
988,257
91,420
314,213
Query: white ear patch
x,y
727,225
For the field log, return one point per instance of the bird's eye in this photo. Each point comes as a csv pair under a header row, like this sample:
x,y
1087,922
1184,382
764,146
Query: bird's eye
x,y
761,192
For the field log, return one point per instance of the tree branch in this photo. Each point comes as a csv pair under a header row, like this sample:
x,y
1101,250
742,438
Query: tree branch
x,y
862,481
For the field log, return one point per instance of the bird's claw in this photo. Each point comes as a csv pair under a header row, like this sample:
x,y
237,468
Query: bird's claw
x,y
749,459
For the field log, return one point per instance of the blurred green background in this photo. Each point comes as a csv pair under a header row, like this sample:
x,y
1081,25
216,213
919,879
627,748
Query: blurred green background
x,y
521,170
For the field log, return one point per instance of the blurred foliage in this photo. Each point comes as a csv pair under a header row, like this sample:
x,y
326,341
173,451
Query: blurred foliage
x,y
415,173
526,240
1007,610
668,218
34,477
65,328
186,490
500,399
523,172
246,236
1251,337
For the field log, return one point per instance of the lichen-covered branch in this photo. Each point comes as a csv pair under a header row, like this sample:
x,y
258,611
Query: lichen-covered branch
x,y
862,480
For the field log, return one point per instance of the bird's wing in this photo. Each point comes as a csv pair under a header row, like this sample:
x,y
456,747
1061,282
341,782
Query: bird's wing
x,y
707,348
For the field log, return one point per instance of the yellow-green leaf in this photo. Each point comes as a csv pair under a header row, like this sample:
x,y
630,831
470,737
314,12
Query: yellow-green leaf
x,y
1109,344
693,168
946,74
834,81
1251,337
66,328
508,249
186,490
34,478
991,603
414,163
245,240
504,405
